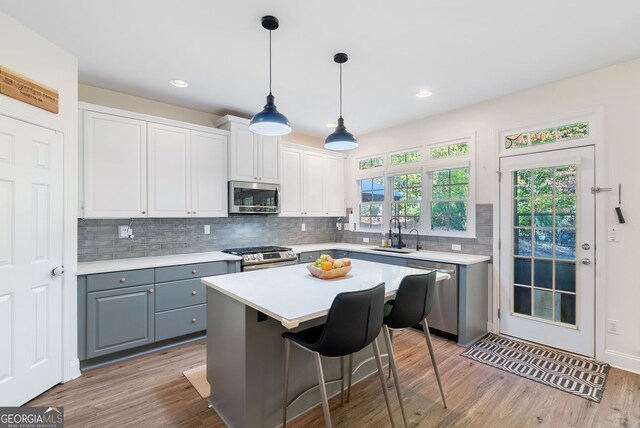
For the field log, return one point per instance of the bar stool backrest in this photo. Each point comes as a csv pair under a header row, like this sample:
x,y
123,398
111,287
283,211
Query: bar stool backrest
x,y
353,322
413,300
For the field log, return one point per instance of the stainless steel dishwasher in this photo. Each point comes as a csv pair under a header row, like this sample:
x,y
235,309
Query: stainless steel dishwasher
x,y
443,318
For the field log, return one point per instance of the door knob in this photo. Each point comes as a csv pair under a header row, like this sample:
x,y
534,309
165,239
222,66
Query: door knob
x,y
586,246
57,271
585,261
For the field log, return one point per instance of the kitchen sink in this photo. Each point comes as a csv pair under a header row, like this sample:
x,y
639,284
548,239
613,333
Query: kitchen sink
x,y
394,250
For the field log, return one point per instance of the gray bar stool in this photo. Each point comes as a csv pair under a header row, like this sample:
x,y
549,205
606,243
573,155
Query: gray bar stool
x,y
411,306
354,321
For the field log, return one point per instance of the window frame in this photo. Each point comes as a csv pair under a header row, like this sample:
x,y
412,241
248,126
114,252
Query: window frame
x,y
361,203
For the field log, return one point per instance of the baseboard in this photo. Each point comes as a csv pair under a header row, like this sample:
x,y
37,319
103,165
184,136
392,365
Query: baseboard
x,y
630,363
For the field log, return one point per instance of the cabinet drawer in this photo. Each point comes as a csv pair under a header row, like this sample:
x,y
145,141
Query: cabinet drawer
x,y
390,260
198,270
106,281
174,295
179,322
309,256
339,254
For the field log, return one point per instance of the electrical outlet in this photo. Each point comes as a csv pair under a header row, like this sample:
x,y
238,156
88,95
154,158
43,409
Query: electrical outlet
x,y
613,326
207,229
365,240
339,226
456,247
123,231
304,227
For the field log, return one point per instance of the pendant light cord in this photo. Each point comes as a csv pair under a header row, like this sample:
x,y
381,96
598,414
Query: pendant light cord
x,y
341,90
269,61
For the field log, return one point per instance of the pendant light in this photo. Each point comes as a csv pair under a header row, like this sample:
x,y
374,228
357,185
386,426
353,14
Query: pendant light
x,y
340,139
270,121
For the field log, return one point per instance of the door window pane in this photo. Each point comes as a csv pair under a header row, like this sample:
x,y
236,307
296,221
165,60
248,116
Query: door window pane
x,y
522,300
566,276
543,273
566,244
522,271
543,304
522,242
566,308
543,243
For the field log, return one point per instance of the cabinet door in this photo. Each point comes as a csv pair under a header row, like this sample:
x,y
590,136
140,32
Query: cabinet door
x,y
169,174
268,159
119,320
208,175
115,166
242,154
291,200
334,186
313,195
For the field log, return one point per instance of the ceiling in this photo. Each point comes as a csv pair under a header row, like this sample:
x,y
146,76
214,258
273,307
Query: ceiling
x,y
465,51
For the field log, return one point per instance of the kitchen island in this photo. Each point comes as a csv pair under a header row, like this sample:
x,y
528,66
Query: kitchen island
x,y
247,313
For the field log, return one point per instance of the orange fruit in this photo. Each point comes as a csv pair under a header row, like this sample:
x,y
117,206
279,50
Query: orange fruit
x,y
327,265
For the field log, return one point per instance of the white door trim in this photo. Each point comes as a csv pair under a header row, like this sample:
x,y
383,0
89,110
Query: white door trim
x,y
595,115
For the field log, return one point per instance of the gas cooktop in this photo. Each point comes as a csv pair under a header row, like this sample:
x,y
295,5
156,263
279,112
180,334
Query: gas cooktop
x,y
255,250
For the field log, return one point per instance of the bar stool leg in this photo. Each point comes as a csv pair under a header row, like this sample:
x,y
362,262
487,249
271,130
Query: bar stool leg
x,y
376,351
390,333
341,381
323,390
392,366
349,379
427,336
285,398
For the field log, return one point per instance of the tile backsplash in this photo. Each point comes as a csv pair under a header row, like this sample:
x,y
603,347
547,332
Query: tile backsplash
x,y
98,239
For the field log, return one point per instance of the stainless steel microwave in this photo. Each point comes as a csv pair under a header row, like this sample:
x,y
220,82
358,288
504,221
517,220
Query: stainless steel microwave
x,y
253,198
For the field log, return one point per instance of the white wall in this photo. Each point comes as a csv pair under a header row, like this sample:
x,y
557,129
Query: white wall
x,y
24,51
617,90
119,100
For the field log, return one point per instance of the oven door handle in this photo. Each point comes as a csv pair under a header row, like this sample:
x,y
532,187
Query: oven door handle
x,y
269,265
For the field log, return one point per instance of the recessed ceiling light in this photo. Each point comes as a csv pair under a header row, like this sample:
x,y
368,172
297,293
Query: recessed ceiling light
x,y
424,93
331,125
179,83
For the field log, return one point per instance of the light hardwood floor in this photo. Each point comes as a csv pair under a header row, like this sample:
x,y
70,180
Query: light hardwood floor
x,y
150,391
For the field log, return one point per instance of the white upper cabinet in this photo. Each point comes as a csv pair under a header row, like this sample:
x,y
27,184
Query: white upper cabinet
x,y
169,171
208,175
312,183
291,187
115,166
252,157
334,204
134,167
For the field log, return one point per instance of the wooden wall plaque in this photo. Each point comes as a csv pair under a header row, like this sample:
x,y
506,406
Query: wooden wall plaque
x,y
17,86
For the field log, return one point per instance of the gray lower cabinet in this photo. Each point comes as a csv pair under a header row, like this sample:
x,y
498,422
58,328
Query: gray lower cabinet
x,y
118,311
119,319
340,254
308,257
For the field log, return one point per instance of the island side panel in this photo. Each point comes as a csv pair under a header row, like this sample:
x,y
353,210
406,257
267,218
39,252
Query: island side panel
x,y
226,357
473,295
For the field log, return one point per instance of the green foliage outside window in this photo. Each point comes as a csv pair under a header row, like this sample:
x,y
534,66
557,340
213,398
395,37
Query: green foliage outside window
x,y
371,163
450,150
550,135
406,157
449,194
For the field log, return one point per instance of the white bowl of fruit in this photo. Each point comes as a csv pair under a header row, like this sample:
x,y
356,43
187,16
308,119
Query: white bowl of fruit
x,y
326,267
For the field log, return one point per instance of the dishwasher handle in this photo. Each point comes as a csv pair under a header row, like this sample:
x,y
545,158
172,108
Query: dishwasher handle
x,y
445,271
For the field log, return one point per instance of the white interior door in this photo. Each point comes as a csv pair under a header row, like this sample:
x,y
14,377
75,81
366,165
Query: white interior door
x,y
31,196
547,232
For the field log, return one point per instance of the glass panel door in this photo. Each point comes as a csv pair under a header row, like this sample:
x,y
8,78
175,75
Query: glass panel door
x,y
547,240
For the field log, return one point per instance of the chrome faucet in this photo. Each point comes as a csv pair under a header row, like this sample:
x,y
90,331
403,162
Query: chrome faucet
x,y
418,247
400,244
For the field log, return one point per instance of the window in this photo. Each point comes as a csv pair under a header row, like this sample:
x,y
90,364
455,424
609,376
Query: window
x,y
406,157
407,194
449,199
430,188
556,134
370,163
371,203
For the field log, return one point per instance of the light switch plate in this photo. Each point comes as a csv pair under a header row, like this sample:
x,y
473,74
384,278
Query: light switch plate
x,y
456,247
304,227
207,229
123,231
613,234
365,240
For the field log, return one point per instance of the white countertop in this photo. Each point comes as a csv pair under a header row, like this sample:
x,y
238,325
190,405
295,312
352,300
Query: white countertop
x,y
436,256
102,266
292,295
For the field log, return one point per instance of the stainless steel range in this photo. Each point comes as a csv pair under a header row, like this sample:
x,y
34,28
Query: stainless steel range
x,y
254,258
